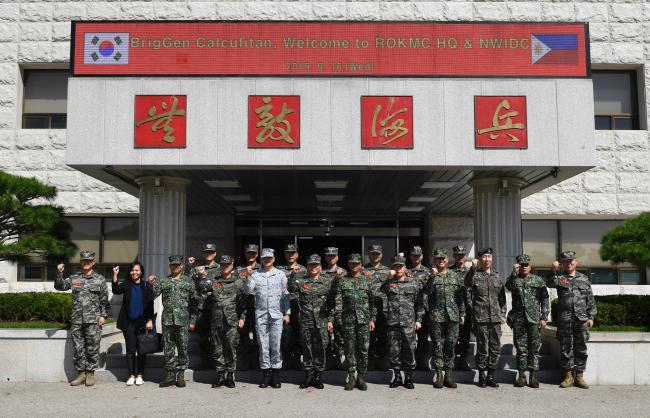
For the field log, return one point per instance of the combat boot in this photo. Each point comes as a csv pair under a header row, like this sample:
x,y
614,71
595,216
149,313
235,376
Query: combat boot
x,y
219,381
580,381
491,381
316,382
308,378
361,382
90,378
230,380
449,380
397,379
521,379
180,378
266,378
169,380
79,380
482,382
275,379
568,380
408,379
352,381
439,382
532,379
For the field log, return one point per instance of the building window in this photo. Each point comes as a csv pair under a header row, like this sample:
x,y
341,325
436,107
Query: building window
x,y
615,100
45,99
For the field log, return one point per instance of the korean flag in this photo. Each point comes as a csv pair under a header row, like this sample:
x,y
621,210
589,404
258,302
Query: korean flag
x,y
106,48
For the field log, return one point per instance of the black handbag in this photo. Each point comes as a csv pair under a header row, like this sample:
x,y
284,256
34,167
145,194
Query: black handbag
x,y
149,341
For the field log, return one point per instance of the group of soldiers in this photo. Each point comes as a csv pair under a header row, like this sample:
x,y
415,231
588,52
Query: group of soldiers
x,y
369,308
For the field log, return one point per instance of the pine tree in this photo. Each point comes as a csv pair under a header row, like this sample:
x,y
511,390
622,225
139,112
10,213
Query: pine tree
x,y
629,242
30,225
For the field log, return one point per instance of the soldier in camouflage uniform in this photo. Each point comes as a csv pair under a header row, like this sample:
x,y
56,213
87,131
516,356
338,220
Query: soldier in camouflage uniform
x,y
333,271
227,301
291,345
179,300
248,346
357,294
90,308
314,295
404,310
446,293
465,330
488,297
421,273
576,309
377,273
530,309
208,268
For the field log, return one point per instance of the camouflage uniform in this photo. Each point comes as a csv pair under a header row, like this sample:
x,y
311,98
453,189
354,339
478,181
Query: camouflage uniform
x,y
338,345
291,340
576,305
422,274
248,347
465,329
179,300
212,271
89,303
226,298
378,275
529,306
314,296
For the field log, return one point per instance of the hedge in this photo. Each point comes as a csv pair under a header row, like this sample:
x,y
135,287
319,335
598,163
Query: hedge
x,y
36,306
617,310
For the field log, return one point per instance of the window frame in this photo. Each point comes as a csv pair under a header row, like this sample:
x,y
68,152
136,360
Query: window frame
x,y
634,97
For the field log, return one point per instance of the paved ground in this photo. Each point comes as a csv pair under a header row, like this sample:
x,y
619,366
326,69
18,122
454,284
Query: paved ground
x,y
198,399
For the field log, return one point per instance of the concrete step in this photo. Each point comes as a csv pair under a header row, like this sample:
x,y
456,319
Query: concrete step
x,y
507,376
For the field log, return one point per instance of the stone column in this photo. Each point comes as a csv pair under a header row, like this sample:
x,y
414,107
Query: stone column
x,y
497,219
162,224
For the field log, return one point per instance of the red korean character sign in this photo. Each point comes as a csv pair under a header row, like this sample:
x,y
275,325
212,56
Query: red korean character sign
x,y
273,121
160,121
500,122
386,122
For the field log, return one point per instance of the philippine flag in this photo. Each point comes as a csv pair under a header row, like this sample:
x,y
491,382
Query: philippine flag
x,y
106,48
554,49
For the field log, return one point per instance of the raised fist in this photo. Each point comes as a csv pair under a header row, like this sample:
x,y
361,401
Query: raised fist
x,y
201,270
152,279
60,268
556,265
191,260
474,263
434,271
116,270
515,267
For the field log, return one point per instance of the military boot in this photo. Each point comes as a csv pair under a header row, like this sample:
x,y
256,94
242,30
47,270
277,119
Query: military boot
x,y
266,378
219,380
316,381
580,381
90,378
352,381
568,380
308,378
482,382
521,379
491,381
449,380
275,379
532,379
361,382
180,378
397,379
439,382
230,380
169,380
408,379
79,380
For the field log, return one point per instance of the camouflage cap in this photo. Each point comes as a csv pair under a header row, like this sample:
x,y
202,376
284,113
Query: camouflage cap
x,y
440,252
209,247
354,258
331,251
87,255
399,260
251,248
484,251
290,248
268,252
175,259
523,259
416,250
567,255
459,250
375,248
225,259
313,259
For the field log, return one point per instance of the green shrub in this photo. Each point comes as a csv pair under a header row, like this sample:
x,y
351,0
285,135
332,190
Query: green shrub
x,y
35,306
617,310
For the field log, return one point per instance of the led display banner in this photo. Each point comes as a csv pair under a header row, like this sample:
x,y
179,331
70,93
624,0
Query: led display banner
x,y
418,49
